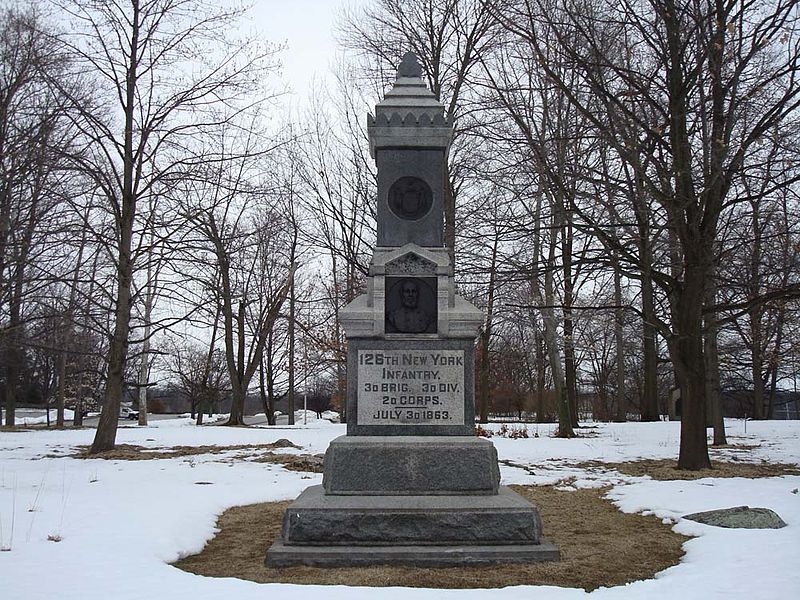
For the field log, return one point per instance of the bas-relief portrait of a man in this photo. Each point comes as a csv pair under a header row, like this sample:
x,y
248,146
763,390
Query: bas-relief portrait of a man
x,y
410,306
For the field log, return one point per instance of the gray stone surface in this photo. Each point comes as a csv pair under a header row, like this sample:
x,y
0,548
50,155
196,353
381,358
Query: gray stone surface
x,y
316,518
365,316
464,427
409,116
401,129
409,139
425,164
409,66
410,387
280,555
739,517
415,465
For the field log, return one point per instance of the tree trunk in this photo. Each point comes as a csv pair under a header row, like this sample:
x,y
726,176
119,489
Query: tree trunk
x,y
649,408
144,368
291,324
780,319
622,399
711,355
239,389
262,388
551,344
268,391
485,338
143,373
757,363
14,353
570,368
483,374
695,225
687,358
106,434
540,374
61,389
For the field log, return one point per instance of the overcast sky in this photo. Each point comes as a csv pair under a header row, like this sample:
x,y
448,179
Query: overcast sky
x,y
306,27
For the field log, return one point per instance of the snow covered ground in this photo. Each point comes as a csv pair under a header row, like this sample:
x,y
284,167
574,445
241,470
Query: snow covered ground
x,y
25,417
119,523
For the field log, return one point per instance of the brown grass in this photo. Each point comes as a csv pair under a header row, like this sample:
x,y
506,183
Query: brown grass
x,y
133,452
667,470
252,453
600,546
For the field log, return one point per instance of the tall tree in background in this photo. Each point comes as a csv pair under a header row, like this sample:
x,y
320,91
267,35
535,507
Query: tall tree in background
x,y
763,230
334,183
238,244
703,67
201,375
155,67
34,132
485,229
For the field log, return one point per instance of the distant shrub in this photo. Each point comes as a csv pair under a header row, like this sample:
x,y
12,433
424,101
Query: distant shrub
x,y
514,432
481,432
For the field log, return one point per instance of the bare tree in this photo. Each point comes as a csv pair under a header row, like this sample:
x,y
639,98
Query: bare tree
x,y
155,66
34,130
333,178
701,65
201,375
238,245
763,265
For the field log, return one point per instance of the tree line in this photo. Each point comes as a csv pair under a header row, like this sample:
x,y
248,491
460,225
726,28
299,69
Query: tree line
x,y
621,201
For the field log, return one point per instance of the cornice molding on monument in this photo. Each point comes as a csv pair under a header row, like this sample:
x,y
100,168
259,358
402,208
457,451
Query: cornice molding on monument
x,y
431,261
409,114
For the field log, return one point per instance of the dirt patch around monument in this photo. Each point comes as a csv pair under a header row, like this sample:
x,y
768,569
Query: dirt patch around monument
x,y
667,470
600,546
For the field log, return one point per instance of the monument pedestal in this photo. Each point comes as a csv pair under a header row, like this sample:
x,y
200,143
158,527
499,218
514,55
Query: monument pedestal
x,y
413,500
410,466
410,483
322,529
462,555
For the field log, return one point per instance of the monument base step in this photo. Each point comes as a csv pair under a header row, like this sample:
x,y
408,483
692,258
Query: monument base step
x,y
315,518
411,465
281,555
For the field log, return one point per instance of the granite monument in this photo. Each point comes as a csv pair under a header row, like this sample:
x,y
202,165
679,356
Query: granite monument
x,y
410,483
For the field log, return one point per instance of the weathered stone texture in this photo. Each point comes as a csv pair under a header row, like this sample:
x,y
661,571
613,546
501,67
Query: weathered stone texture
x,y
417,465
739,517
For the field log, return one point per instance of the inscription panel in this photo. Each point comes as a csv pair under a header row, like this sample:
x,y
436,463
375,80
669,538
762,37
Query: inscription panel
x,y
410,387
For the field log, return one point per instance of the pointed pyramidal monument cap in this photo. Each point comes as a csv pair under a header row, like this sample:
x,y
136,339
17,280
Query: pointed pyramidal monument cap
x,y
409,93
409,66
409,114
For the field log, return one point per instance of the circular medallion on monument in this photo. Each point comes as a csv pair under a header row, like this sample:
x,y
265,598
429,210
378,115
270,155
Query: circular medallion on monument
x,y
410,198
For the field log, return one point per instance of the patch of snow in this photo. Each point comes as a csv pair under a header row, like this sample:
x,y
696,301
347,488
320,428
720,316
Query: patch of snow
x,y
22,418
121,522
